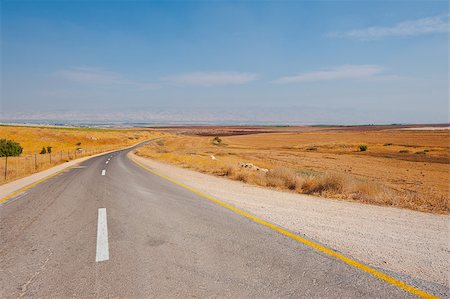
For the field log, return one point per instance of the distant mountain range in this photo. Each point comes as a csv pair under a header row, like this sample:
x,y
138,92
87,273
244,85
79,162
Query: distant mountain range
x,y
209,115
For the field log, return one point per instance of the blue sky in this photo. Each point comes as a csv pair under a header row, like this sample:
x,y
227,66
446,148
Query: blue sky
x,y
248,61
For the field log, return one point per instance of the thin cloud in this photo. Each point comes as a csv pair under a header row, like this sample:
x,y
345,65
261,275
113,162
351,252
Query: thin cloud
x,y
98,76
212,78
336,73
436,24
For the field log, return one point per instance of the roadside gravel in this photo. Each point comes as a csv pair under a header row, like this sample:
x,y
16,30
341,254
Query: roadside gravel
x,y
413,246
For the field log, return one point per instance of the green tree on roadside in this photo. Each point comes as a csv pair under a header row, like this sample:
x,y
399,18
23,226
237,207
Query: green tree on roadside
x,y
216,140
43,151
9,148
49,149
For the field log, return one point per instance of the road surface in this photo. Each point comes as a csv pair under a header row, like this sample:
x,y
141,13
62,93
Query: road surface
x,y
109,228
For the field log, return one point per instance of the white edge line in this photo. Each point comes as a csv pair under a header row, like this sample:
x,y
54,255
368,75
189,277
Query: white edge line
x,y
102,253
103,172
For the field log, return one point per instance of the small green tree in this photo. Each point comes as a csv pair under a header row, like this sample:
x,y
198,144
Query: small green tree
x,y
217,140
43,151
362,147
9,148
49,149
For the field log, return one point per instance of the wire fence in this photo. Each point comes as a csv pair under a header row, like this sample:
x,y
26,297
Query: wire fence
x,y
12,168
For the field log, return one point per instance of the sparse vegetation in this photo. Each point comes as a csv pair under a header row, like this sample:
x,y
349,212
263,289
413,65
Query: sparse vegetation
x,y
43,151
217,140
362,147
311,148
335,171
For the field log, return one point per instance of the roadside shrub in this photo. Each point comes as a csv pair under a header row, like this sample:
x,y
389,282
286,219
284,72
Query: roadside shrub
x,y
78,144
320,184
217,140
282,177
49,149
363,190
311,148
275,182
259,179
362,147
229,171
43,151
9,148
403,151
241,176
387,144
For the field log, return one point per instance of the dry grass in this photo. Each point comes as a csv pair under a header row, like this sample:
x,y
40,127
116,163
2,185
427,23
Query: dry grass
x,y
380,176
32,139
64,143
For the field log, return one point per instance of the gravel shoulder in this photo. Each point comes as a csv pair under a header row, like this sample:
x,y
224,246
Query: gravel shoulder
x,y
413,246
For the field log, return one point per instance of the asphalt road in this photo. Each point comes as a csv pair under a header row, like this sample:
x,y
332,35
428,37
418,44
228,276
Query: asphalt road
x,y
153,238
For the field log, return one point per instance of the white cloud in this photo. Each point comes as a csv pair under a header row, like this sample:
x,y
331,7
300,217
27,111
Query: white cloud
x,y
99,76
211,78
336,73
436,24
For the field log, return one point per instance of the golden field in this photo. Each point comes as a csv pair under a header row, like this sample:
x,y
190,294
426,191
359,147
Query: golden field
x,y
64,143
402,168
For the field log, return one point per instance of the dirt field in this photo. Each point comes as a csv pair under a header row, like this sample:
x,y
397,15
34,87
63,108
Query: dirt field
x,y
66,143
404,168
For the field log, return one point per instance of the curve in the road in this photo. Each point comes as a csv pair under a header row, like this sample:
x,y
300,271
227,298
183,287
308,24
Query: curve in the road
x,y
164,241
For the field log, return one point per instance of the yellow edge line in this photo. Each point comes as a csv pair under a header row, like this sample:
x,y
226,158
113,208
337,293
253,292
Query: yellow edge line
x,y
316,246
15,193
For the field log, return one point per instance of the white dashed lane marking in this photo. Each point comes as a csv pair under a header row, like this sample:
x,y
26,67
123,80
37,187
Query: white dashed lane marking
x,y
102,237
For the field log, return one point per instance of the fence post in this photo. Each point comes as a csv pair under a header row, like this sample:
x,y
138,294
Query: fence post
x,y
6,166
50,157
35,162
61,155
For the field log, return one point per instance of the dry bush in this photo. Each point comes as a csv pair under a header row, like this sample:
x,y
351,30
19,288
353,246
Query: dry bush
x,y
242,175
229,171
432,202
260,179
282,177
333,183
274,181
364,189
